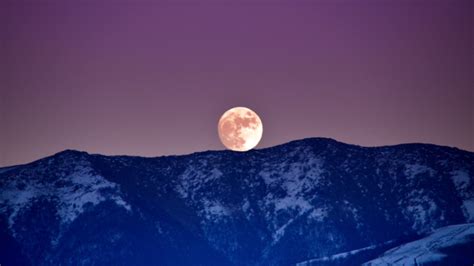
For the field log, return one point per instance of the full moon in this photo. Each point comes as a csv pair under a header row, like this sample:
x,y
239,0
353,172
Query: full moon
x,y
240,129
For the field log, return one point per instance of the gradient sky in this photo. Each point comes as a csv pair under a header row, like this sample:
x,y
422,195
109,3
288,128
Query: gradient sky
x,y
153,77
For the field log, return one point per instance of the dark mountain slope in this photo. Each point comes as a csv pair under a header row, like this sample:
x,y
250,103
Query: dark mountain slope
x,y
278,206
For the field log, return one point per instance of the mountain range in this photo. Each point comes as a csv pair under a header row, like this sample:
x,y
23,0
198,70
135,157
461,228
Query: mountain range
x,y
314,201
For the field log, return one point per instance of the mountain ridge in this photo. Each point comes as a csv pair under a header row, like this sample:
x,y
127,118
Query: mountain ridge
x,y
289,143
281,205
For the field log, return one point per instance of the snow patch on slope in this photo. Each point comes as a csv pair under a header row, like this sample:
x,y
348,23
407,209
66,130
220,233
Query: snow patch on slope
x,y
318,214
462,182
420,208
214,210
340,256
193,179
281,231
86,188
412,170
295,179
426,250
72,193
469,209
460,179
190,185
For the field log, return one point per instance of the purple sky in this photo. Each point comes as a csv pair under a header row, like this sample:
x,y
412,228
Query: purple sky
x,y
150,79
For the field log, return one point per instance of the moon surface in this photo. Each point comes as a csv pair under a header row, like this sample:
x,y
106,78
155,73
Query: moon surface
x,y
240,129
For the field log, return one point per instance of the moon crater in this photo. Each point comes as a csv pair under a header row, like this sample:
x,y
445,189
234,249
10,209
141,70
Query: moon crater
x,y
240,129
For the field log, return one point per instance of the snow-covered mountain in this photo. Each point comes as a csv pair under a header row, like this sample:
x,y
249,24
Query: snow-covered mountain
x,y
313,201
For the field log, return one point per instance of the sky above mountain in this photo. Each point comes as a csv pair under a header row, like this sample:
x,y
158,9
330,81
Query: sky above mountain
x,y
153,77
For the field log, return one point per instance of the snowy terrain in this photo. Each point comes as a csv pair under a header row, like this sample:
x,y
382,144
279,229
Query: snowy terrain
x,y
339,256
428,249
78,189
314,202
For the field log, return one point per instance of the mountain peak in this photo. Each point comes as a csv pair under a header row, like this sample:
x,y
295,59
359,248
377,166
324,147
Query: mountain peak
x,y
70,152
314,141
